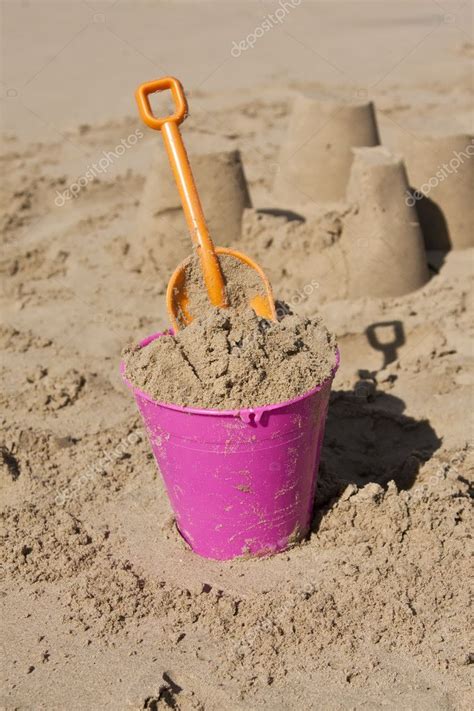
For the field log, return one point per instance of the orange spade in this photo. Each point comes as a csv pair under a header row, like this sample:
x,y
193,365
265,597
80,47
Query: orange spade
x,y
177,297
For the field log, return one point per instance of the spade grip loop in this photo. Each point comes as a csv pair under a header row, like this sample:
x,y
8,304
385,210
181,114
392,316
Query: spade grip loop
x,y
152,87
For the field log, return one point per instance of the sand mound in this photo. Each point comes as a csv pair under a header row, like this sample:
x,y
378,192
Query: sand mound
x,y
229,359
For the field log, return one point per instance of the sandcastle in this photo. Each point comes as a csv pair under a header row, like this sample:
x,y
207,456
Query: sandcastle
x,y
382,238
370,246
315,161
358,227
441,175
161,235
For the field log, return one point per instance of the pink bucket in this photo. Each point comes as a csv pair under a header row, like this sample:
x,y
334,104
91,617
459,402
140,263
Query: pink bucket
x,y
240,482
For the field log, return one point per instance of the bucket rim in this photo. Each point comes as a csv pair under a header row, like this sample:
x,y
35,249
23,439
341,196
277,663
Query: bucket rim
x,y
245,413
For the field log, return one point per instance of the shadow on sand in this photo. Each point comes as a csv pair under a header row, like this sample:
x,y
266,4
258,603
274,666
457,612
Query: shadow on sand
x,y
368,437
371,440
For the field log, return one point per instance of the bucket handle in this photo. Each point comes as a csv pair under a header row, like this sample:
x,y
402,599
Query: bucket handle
x,y
250,417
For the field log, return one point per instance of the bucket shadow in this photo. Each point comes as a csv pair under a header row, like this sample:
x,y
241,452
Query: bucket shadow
x,y
369,439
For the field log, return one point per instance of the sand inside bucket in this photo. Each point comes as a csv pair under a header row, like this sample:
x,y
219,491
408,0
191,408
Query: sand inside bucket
x,y
230,358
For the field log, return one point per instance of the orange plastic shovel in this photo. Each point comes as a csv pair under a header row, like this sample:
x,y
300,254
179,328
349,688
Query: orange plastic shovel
x,y
177,299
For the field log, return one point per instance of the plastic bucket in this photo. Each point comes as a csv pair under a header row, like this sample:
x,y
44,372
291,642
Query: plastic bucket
x,y
240,482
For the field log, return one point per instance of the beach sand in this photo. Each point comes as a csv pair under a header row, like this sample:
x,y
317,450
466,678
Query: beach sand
x,y
104,607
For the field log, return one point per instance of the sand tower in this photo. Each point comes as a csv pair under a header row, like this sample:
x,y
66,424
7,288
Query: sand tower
x,y
316,158
382,238
161,238
441,172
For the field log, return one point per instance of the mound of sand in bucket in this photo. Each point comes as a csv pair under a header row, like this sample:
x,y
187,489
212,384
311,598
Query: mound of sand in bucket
x,y
441,175
316,158
235,408
230,358
161,239
382,239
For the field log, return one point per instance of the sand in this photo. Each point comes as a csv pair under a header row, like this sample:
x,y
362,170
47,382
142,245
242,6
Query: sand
x,y
230,358
242,285
103,607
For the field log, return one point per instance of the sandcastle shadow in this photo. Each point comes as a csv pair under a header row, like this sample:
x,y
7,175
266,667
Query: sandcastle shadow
x,y
433,223
290,215
370,439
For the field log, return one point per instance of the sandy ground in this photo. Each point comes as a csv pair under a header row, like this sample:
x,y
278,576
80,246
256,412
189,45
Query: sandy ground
x,y
103,605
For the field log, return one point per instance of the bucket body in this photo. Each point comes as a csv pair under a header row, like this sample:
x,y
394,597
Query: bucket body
x,y
240,482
